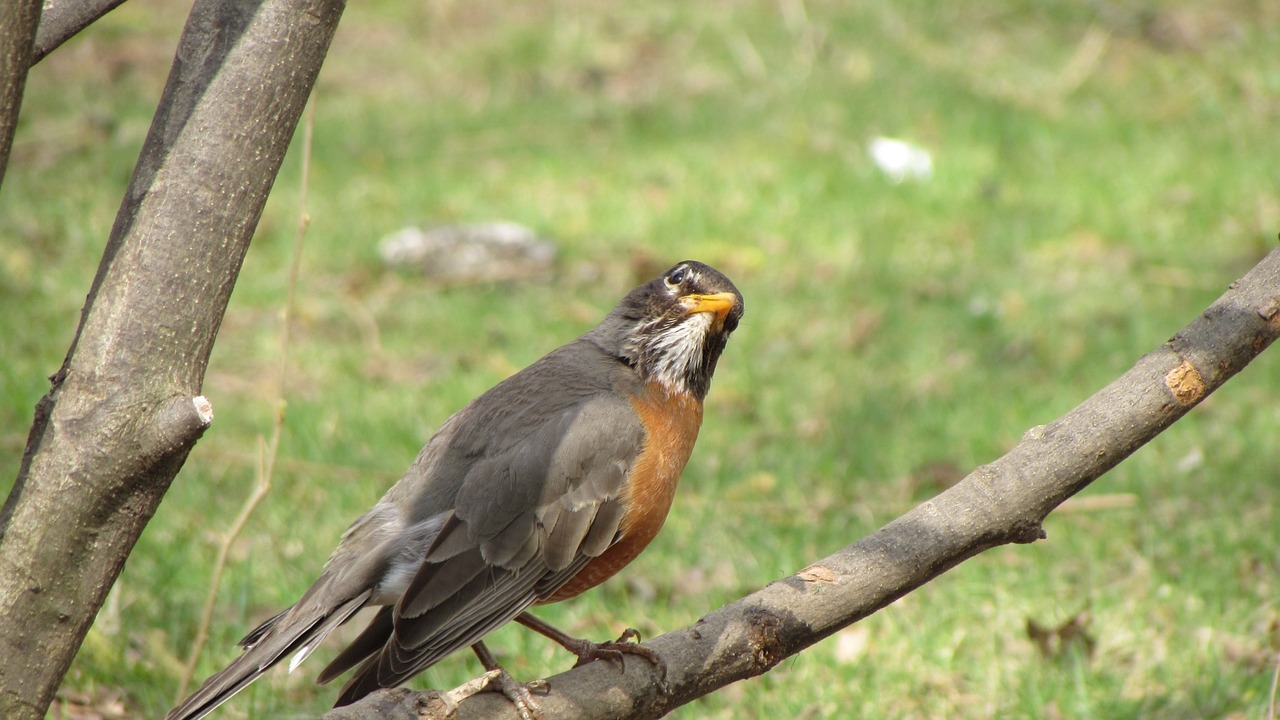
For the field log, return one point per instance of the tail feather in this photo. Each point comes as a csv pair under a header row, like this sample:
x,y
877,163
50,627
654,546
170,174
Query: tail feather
x,y
371,640
259,632
290,633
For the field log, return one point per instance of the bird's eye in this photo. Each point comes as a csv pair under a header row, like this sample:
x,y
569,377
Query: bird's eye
x,y
676,277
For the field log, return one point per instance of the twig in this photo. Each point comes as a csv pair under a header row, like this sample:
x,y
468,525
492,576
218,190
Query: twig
x,y
1275,681
267,452
1084,61
206,616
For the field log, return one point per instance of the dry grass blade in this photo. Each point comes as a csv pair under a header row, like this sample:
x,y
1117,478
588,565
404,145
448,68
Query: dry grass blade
x,y
1275,681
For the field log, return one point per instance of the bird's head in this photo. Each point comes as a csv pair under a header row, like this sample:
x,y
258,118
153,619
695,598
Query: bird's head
x,y
673,328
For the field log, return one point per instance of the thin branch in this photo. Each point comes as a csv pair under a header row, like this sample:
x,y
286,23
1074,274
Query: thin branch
x,y
1275,681
260,489
64,19
18,22
267,452
1003,502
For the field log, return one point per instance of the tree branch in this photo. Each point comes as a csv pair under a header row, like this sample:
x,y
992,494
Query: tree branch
x,y
1003,502
63,19
18,20
124,412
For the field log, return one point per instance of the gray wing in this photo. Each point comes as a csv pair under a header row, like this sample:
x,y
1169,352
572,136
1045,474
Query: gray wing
x,y
526,519
503,505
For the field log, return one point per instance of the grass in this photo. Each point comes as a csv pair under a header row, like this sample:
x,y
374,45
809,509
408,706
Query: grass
x,y
1101,174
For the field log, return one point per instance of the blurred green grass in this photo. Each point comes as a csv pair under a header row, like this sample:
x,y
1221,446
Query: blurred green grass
x,y
1102,172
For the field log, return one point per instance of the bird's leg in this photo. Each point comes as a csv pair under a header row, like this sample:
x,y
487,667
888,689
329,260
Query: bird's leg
x,y
588,651
501,681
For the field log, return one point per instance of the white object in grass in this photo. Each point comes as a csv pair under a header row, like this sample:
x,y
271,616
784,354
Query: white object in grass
x,y
901,160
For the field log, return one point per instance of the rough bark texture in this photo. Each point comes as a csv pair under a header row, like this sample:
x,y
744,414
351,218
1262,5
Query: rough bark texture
x,y
123,412
18,20
63,19
1003,502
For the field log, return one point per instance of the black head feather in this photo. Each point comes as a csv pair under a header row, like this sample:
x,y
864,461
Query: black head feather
x,y
673,328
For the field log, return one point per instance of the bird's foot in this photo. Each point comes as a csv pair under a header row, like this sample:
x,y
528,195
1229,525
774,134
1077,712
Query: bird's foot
x,y
616,650
497,679
520,694
587,650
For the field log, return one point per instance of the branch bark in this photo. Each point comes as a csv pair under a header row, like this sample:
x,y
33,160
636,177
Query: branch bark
x,y
1000,503
18,21
63,19
124,410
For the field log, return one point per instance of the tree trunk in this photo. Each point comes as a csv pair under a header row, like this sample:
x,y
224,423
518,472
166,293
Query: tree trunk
x,y
124,410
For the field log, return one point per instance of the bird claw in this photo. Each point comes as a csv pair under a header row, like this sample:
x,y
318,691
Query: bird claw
x,y
520,694
618,650
539,687
587,650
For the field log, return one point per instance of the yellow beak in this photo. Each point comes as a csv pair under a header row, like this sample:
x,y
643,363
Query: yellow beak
x,y
720,303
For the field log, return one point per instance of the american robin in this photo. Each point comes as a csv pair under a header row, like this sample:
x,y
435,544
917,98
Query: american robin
x,y
539,489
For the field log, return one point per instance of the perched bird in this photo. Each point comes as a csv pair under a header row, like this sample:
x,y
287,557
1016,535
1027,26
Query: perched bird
x,y
539,489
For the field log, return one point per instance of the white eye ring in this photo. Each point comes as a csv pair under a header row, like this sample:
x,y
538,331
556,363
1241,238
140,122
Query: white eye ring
x,y
676,277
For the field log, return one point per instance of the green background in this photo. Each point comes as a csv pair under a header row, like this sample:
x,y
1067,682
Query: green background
x,y
1102,171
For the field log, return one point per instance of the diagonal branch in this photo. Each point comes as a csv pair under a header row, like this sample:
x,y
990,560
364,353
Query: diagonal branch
x,y
62,20
18,22
1003,502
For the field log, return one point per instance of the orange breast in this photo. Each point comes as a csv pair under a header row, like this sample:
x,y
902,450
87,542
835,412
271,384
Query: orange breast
x,y
671,426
